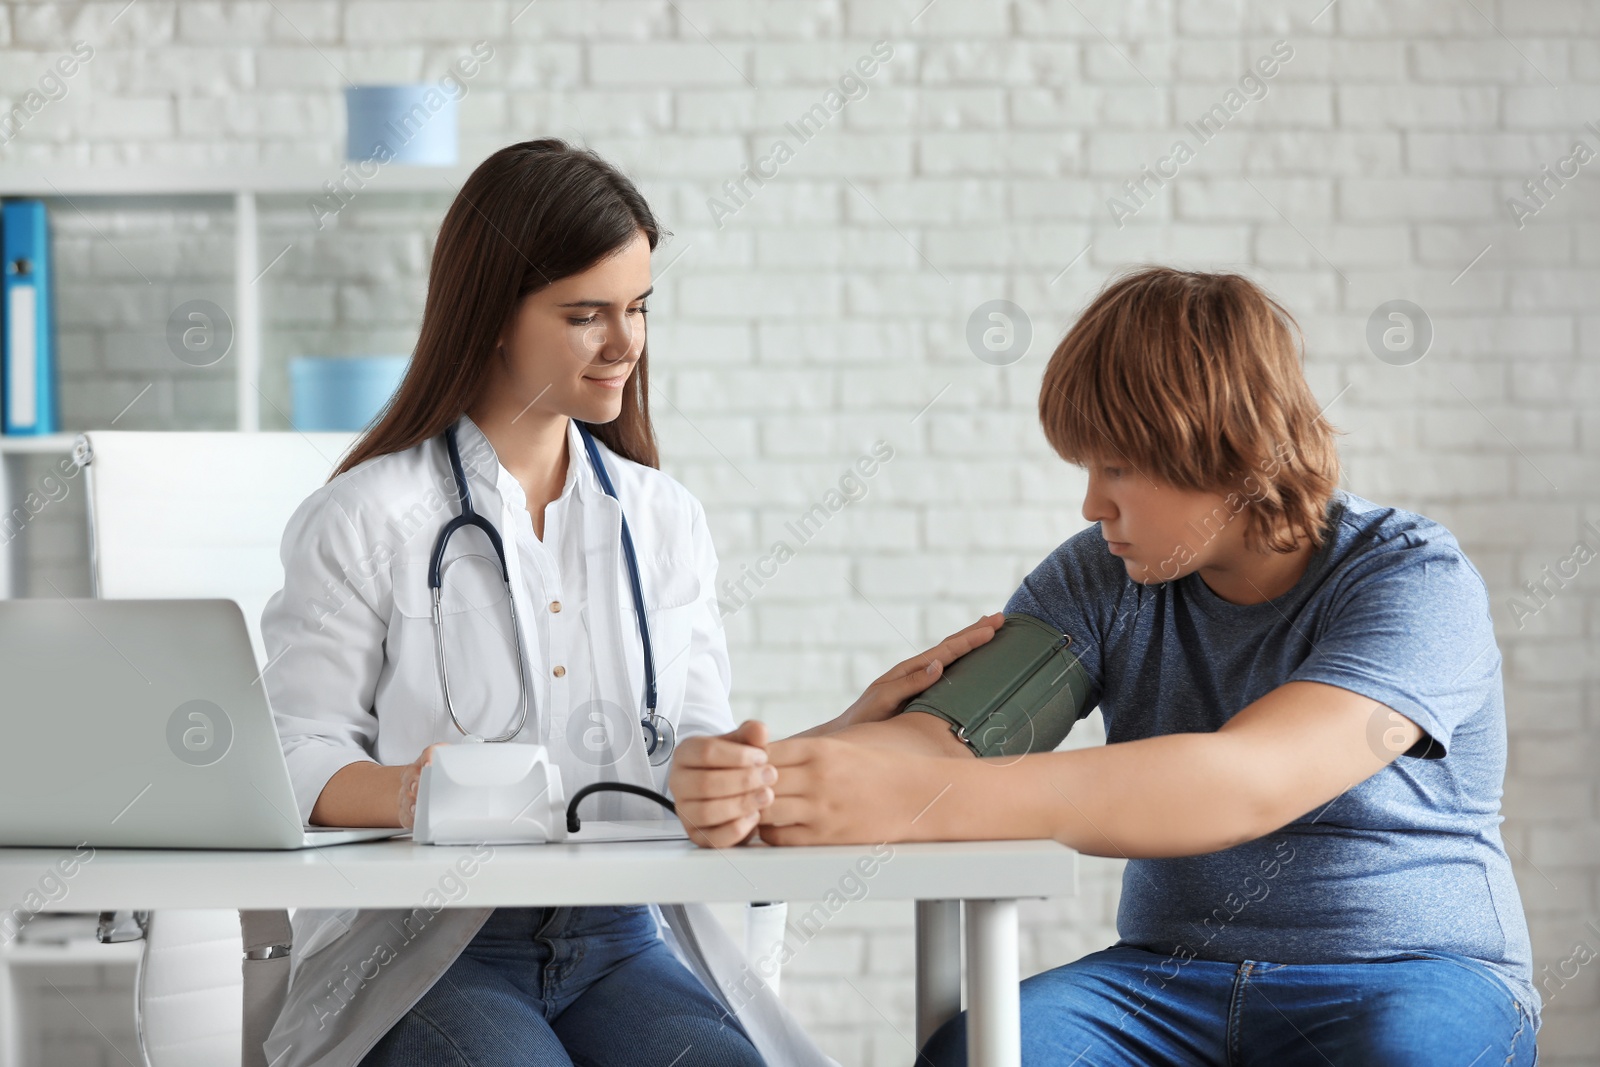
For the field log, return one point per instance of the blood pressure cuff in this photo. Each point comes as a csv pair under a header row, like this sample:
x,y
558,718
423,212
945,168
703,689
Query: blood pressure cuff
x,y
1020,692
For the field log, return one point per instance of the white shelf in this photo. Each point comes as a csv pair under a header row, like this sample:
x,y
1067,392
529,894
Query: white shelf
x,y
238,187
54,952
47,443
241,184
160,180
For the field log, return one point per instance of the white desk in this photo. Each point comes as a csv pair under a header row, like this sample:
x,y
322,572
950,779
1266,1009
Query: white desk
x,y
987,878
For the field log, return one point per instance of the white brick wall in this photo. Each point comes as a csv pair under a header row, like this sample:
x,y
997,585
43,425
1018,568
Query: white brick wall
x,y
831,309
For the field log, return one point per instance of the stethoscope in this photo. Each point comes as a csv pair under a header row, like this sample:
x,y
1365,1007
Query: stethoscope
x,y
659,736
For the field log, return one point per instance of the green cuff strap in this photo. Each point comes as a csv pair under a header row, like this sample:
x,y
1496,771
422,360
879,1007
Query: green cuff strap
x,y
1021,692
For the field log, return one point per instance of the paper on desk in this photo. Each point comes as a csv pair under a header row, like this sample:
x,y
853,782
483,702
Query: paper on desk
x,y
594,830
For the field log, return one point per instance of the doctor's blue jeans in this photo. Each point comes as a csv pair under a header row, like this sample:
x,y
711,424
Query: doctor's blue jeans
x,y
1412,1009
566,987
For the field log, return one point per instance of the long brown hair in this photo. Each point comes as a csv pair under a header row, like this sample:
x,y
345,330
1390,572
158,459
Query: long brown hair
x,y
531,214
1196,379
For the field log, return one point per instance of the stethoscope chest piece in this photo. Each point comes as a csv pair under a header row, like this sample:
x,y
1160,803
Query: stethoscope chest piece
x,y
659,739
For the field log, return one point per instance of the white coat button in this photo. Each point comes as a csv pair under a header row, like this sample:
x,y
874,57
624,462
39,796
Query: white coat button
x,y
555,605
559,672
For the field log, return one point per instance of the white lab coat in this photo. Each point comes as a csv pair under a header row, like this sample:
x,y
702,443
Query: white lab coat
x,y
352,676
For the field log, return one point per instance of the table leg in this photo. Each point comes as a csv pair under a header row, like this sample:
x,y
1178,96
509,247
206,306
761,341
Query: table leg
x,y
994,1017
938,965
10,1013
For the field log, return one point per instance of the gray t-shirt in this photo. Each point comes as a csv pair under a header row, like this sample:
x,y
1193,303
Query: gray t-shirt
x,y
1390,608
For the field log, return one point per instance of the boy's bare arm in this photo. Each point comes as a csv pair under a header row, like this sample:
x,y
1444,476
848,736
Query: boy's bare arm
x,y
1290,752
910,731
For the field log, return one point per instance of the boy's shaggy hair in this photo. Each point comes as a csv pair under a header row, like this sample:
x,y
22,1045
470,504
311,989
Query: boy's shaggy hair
x,y
1196,379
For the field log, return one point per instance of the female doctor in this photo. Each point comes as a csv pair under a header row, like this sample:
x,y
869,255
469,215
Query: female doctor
x,y
532,350
532,341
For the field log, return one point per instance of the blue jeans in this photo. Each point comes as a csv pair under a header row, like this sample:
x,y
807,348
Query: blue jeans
x,y
1121,1006
566,987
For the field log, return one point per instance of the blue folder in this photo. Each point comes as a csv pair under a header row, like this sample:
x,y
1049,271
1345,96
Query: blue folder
x,y
28,403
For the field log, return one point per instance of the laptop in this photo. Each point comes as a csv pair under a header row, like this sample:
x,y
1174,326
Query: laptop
x,y
142,724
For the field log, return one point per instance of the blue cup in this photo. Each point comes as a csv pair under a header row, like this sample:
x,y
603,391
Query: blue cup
x,y
342,392
412,124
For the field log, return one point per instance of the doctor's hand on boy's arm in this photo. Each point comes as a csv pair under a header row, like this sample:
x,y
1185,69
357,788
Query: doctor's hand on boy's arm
x,y
720,784
886,697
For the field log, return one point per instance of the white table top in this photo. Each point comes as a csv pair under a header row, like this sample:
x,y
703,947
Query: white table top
x,y
388,874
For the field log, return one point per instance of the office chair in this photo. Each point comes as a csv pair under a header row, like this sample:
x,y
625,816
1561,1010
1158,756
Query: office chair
x,y
201,515
189,993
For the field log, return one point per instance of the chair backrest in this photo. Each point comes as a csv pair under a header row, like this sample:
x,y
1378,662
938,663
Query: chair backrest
x,y
191,989
198,514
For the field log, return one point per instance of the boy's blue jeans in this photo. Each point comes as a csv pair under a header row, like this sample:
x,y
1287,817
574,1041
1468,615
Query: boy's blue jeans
x,y
1413,1009
558,987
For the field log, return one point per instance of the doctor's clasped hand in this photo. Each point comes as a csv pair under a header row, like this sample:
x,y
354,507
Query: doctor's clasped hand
x,y
726,785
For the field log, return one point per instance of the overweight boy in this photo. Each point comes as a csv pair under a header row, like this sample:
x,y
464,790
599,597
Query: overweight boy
x,y
1306,736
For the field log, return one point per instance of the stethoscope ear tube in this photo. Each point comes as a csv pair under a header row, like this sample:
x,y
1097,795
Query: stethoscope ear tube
x,y
470,517
659,735
444,671
632,559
